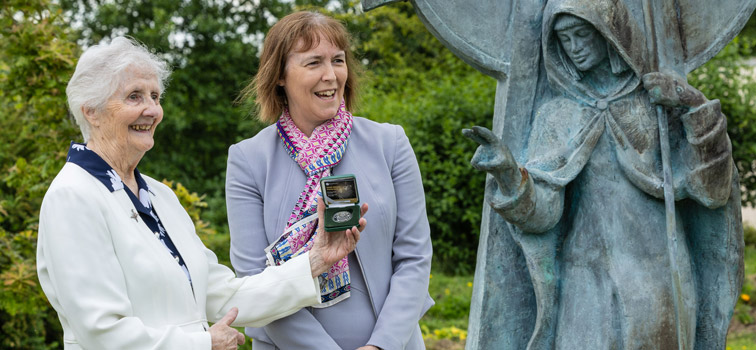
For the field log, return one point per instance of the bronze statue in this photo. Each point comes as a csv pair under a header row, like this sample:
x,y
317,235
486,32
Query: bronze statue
x,y
589,197
601,233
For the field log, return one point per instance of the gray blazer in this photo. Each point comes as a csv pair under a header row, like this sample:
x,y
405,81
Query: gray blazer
x,y
262,185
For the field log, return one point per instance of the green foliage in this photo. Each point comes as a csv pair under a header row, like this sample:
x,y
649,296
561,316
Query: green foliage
x,y
196,207
452,296
750,28
413,81
28,321
744,309
745,341
444,326
743,312
36,60
193,204
453,189
448,338
749,235
727,78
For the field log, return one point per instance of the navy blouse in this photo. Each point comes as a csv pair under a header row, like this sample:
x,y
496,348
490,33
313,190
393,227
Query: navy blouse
x,y
88,160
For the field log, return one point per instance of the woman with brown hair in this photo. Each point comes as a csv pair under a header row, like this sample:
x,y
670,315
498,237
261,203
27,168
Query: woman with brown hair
x,y
306,86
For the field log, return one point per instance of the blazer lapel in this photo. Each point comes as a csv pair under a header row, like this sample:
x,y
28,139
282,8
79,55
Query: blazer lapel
x,y
292,188
142,229
180,234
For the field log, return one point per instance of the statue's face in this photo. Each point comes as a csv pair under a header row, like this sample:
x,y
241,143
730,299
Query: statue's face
x,y
584,45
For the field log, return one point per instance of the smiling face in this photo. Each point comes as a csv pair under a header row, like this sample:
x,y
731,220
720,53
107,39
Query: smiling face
x,y
314,83
127,124
582,43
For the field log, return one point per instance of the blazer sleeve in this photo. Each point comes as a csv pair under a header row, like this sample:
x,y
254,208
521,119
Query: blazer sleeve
x,y
269,294
412,252
73,235
248,240
277,291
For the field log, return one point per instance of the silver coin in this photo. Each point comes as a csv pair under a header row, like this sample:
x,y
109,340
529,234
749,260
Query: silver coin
x,y
342,216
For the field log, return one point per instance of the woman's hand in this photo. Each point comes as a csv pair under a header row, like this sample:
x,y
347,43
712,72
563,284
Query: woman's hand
x,y
368,347
331,247
493,156
671,91
223,336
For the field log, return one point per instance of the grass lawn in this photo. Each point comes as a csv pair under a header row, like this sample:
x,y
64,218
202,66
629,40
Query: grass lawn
x,y
445,325
743,329
746,341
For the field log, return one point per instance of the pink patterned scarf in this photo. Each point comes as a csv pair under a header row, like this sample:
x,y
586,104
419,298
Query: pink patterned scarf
x,y
315,155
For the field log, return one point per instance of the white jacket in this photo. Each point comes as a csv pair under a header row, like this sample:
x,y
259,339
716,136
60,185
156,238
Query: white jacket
x,y
115,286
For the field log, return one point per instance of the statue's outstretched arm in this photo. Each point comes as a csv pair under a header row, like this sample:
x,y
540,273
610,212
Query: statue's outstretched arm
x,y
514,195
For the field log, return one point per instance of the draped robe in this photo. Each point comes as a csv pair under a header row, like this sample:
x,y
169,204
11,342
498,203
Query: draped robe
x,y
590,215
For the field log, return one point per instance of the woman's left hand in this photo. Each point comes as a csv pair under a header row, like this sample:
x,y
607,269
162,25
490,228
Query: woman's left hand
x,y
223,336
331,247
369,347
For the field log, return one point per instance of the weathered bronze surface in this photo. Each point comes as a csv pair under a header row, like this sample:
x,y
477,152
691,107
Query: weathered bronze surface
x,y
578,248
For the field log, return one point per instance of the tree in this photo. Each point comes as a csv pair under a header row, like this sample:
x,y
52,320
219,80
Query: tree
x,y
37,58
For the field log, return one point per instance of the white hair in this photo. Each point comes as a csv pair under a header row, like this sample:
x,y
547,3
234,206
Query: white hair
x,y
100,72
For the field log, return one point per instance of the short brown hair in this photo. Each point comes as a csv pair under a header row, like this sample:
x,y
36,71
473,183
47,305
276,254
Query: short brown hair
x,y
281,40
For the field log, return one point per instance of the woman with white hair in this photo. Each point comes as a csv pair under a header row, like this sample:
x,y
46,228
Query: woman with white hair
x,y
117,255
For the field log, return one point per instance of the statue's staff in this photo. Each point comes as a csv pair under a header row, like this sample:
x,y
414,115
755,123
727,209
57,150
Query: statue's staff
x,y
662,19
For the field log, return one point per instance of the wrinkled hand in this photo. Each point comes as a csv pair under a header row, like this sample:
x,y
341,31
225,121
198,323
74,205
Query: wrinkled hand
x,y
223,336
493,156
368,347
330,247
672,91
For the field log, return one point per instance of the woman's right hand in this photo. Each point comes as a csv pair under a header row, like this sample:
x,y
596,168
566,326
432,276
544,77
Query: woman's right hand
x,y
493,156
331,247
223,336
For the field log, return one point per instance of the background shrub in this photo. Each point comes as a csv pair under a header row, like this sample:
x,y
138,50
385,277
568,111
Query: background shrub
x,y
411,80
36,60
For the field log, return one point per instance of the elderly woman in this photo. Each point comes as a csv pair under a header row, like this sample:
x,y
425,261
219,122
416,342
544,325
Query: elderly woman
x,y
306,85
117,255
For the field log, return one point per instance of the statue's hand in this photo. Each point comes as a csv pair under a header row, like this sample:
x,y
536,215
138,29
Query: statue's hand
x,y
493,156
671,91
